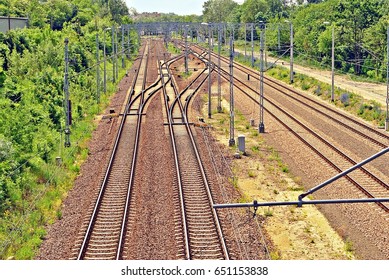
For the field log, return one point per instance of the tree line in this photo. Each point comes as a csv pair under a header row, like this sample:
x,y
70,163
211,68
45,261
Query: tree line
x,y
32,183
360,28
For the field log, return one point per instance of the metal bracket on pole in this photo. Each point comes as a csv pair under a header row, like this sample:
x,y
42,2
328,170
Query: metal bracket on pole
x,y
299,203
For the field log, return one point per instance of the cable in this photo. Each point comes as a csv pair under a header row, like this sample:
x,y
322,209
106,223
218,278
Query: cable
x,y
225,196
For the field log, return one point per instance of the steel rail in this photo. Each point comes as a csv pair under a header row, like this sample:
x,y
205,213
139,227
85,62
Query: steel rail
x,y
184,110
361,188
178,173
108,170
255,75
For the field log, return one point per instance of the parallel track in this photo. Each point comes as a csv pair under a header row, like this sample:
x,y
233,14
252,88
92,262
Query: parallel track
x,y
357,127
365,181
104,236
202,233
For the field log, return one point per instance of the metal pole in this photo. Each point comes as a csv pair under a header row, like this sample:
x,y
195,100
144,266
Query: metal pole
x,y
186,49
219,92
252,45
97,69
245,41
123,65
256,204
333,66
209,72
265,47
225,34
128,43
66,91
387,86
261,127
113,55
232,119
116,54
291,54
105,66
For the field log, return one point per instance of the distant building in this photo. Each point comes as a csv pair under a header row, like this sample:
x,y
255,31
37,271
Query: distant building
x,y
8,23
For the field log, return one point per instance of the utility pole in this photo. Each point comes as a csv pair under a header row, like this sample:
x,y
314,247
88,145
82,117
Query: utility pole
x,y
333,66
116,55
231,142
245,41
97,69
128,43
265,48
209,74
67,104
186,49
279,38
291,54
123,65
219,92
113,55
387,85
105,62
261,127
332,62
252,45
225,34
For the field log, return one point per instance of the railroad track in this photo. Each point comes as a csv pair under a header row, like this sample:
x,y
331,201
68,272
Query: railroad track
x,y
359,128
366,182
102,235
202,236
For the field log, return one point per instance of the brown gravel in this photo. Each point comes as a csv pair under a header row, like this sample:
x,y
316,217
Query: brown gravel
x,y
364,226
150,234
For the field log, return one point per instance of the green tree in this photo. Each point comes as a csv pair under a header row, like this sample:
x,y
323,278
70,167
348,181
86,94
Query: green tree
x,y
118,9
255,10
218,10
353,17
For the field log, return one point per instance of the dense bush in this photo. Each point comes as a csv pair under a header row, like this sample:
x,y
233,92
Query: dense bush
x,y
32,111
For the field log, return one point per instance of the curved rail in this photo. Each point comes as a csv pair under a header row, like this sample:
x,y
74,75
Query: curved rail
x,y
186,201
98,204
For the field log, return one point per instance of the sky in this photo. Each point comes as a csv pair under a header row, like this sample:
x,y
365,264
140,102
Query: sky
x,y
179,7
